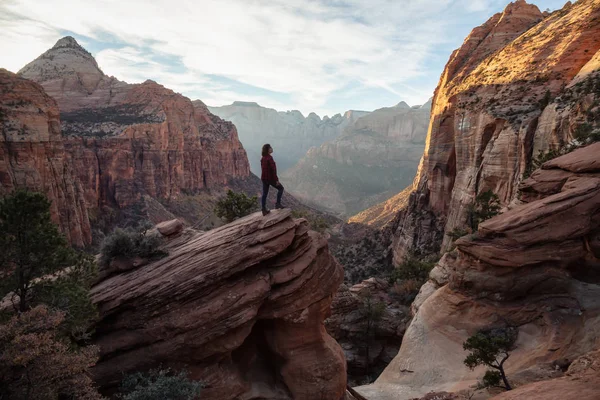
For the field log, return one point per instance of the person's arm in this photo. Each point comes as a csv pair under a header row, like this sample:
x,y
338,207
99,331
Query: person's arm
x,y
274,170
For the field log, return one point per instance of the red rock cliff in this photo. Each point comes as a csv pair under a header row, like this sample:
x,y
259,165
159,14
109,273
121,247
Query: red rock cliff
x,y
506,94
535,267
128,140
32,154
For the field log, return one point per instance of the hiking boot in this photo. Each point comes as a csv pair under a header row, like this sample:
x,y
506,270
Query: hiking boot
x,y
278,206
265,211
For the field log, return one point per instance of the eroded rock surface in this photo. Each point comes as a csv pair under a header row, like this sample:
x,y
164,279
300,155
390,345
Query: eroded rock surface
x,y
521,83
241,307
33,156
536,267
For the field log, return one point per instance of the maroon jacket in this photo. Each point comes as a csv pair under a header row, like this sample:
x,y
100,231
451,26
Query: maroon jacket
x,y
269,169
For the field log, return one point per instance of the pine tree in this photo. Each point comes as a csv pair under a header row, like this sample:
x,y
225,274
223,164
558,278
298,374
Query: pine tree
x,y
31,245
491,348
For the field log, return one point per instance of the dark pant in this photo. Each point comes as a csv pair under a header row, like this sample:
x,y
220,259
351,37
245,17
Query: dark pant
x,y
266,186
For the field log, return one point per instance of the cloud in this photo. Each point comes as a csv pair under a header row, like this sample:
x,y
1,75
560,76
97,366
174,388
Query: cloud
x,y
295,53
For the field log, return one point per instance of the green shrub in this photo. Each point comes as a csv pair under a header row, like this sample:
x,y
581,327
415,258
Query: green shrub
x,y
491,348
130,243
158,385
410,276
545,100
70,293
486,206
235,205
372,312
585,133
457,233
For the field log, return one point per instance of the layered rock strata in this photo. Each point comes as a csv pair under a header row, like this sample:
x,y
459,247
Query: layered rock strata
x,y
240,307
521,83
33,156
129,140
535,267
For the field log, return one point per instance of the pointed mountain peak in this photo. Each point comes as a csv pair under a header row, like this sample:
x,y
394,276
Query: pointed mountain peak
x,y
68,41
521,8
66,58
402,104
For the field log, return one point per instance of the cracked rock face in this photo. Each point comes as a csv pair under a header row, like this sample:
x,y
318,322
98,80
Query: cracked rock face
x,y
241,307
33,156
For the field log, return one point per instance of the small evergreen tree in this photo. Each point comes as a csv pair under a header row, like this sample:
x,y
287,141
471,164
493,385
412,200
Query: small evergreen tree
x,y
158,385
491,348
372,312
31,245
545,100
486,206
235,205
69,292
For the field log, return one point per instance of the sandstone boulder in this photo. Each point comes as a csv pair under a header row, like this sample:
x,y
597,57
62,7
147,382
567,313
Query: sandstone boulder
x,y
170,228
580,382
241,307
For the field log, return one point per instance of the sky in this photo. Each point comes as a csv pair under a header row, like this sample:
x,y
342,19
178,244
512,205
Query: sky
x,y
323,56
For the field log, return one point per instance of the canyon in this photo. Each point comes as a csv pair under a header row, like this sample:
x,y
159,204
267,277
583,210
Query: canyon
x,y
257,309
515,113
129,146
289,132
374,158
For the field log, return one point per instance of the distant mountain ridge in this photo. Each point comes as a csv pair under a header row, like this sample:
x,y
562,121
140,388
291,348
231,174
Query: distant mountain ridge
x,y
373,159
289,132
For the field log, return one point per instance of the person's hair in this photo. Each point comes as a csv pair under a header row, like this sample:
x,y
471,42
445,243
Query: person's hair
x,y
265,149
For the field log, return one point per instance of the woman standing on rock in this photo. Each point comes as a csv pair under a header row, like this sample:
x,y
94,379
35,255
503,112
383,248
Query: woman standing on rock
x,y
269,178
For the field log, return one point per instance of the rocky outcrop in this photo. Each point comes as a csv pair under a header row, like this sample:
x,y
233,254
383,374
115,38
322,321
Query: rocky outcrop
x,y
32,154
375,158
290,133
130,140
581,382
240,307
521,83
535,267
